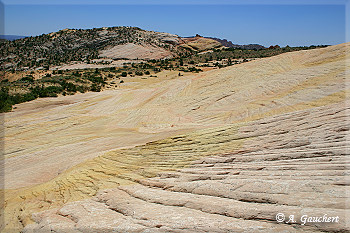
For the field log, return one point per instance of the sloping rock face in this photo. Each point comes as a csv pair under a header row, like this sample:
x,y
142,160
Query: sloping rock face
x,y
199,43
224,150
292,163
134,51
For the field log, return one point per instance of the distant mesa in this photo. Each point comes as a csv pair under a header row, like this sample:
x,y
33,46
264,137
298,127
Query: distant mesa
x,y
274,47
11,37
229,44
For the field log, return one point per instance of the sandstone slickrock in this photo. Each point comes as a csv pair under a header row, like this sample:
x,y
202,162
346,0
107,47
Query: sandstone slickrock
x,y
134,51
224,150
240,191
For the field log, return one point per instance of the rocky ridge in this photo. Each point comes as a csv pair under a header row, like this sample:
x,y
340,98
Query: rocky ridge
x,y
81,45
229,44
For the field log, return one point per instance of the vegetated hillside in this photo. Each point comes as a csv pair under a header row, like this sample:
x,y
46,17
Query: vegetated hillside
x,y
100,56
114,43
21,86
52,85
256,139
80,45
29,66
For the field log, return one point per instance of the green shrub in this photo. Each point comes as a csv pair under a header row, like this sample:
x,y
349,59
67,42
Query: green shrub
x,y
28,78
7,100
139,73
76,74
95,88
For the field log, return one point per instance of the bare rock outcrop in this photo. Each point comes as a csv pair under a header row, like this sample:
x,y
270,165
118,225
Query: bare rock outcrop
x,y
292,163
135,51
223,150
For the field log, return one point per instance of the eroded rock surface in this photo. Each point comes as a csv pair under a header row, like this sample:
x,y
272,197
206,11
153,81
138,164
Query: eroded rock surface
x,y
291,163
224,150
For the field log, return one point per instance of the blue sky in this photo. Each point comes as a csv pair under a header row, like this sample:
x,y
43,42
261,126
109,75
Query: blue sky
x,y
266,23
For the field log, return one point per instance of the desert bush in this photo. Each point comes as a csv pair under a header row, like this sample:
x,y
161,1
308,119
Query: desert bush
x,y
94,87
139,73
27,78
96,79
